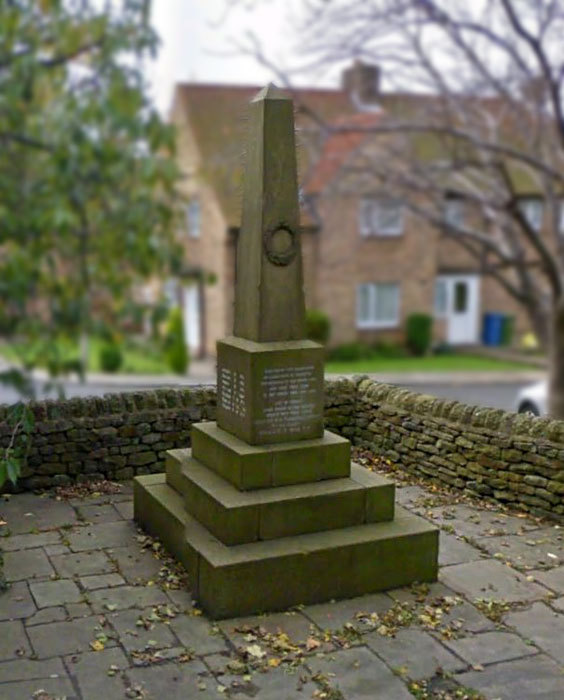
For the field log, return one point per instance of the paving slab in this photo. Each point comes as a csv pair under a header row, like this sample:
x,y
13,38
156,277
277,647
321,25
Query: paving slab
x,y
359,675
198,634
96,514
68,637
541,625
334,615
413,653
473,522
52,688
125,509
54,550
13,641
92,583
108,599
27,564
83,564
454,550
490,579
490,648
16,602
283,683
39,539
279,684
28,513
137,631
181,599
410,496
90,671
538,549
533,678
553,578
30,669
104,535
174,681
47,615
293,623
135,564
78,610
464,616
50,593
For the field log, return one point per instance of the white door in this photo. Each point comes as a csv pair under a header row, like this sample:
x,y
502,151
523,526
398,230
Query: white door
x,y
192,324
457,300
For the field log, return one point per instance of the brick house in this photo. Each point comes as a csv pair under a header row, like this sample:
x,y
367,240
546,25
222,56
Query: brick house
x,y
368,262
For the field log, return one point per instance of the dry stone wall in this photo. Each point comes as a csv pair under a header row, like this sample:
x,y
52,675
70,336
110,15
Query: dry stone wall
x,y
507,457
113,437
502,456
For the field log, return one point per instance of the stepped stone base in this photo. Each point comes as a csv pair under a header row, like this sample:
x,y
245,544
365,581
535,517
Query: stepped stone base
x,y
272,548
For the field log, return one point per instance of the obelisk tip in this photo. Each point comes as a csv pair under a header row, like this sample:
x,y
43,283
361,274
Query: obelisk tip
x,y
270,92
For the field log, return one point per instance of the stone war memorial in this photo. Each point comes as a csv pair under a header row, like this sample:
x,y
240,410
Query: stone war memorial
x,y
266,510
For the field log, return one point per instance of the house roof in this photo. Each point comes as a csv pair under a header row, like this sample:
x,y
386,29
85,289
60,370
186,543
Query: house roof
x,y
337,148
217,115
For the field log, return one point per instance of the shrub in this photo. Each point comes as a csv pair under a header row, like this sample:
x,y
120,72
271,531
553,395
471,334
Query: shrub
x,y
111,357
318,326
388,350
418,333
176,352
350,352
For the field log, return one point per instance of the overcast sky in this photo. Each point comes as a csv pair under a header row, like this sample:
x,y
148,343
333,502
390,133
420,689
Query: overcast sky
x,y
197,42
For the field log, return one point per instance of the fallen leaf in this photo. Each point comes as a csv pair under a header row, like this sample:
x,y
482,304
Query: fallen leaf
x,y
312,644
255,651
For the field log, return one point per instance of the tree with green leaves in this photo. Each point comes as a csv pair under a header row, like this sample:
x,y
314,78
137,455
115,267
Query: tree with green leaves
x,y
88,183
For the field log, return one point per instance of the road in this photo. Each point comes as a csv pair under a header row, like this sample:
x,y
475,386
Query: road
x,y
496,395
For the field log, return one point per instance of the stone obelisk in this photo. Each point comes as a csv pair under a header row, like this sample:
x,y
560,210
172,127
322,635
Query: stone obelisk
x,y
266,510
270,378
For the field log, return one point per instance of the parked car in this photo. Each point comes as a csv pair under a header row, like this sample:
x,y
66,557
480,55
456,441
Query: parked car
x,y
533,399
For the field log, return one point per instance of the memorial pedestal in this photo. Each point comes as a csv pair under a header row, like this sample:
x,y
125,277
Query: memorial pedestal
x,y
254,537
265,510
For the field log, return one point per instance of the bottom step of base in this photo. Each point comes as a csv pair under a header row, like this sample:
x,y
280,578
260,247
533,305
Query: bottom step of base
x,y
277,574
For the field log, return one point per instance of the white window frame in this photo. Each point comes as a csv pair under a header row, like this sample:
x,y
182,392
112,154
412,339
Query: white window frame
x,y
194,218
371,211
532,209
372,321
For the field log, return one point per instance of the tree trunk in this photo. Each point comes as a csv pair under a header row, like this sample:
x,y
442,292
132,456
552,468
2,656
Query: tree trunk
x,y
556,358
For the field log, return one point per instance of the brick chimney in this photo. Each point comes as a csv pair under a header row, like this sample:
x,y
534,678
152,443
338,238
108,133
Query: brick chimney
x,y
362,83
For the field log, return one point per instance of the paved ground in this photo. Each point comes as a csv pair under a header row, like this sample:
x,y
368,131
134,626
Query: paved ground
x,y
93,611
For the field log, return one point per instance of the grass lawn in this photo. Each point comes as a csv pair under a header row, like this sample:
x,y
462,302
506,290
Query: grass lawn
x,y
433,363
138,357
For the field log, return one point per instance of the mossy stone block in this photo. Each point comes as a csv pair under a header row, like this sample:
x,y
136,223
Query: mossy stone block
x,y
237,517
253,467
312,568
379,494
160,511
270,392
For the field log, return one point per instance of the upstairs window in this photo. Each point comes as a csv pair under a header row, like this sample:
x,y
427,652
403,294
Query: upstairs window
x,y
194,218
441,298
377,305
532,209
381,216
454,212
